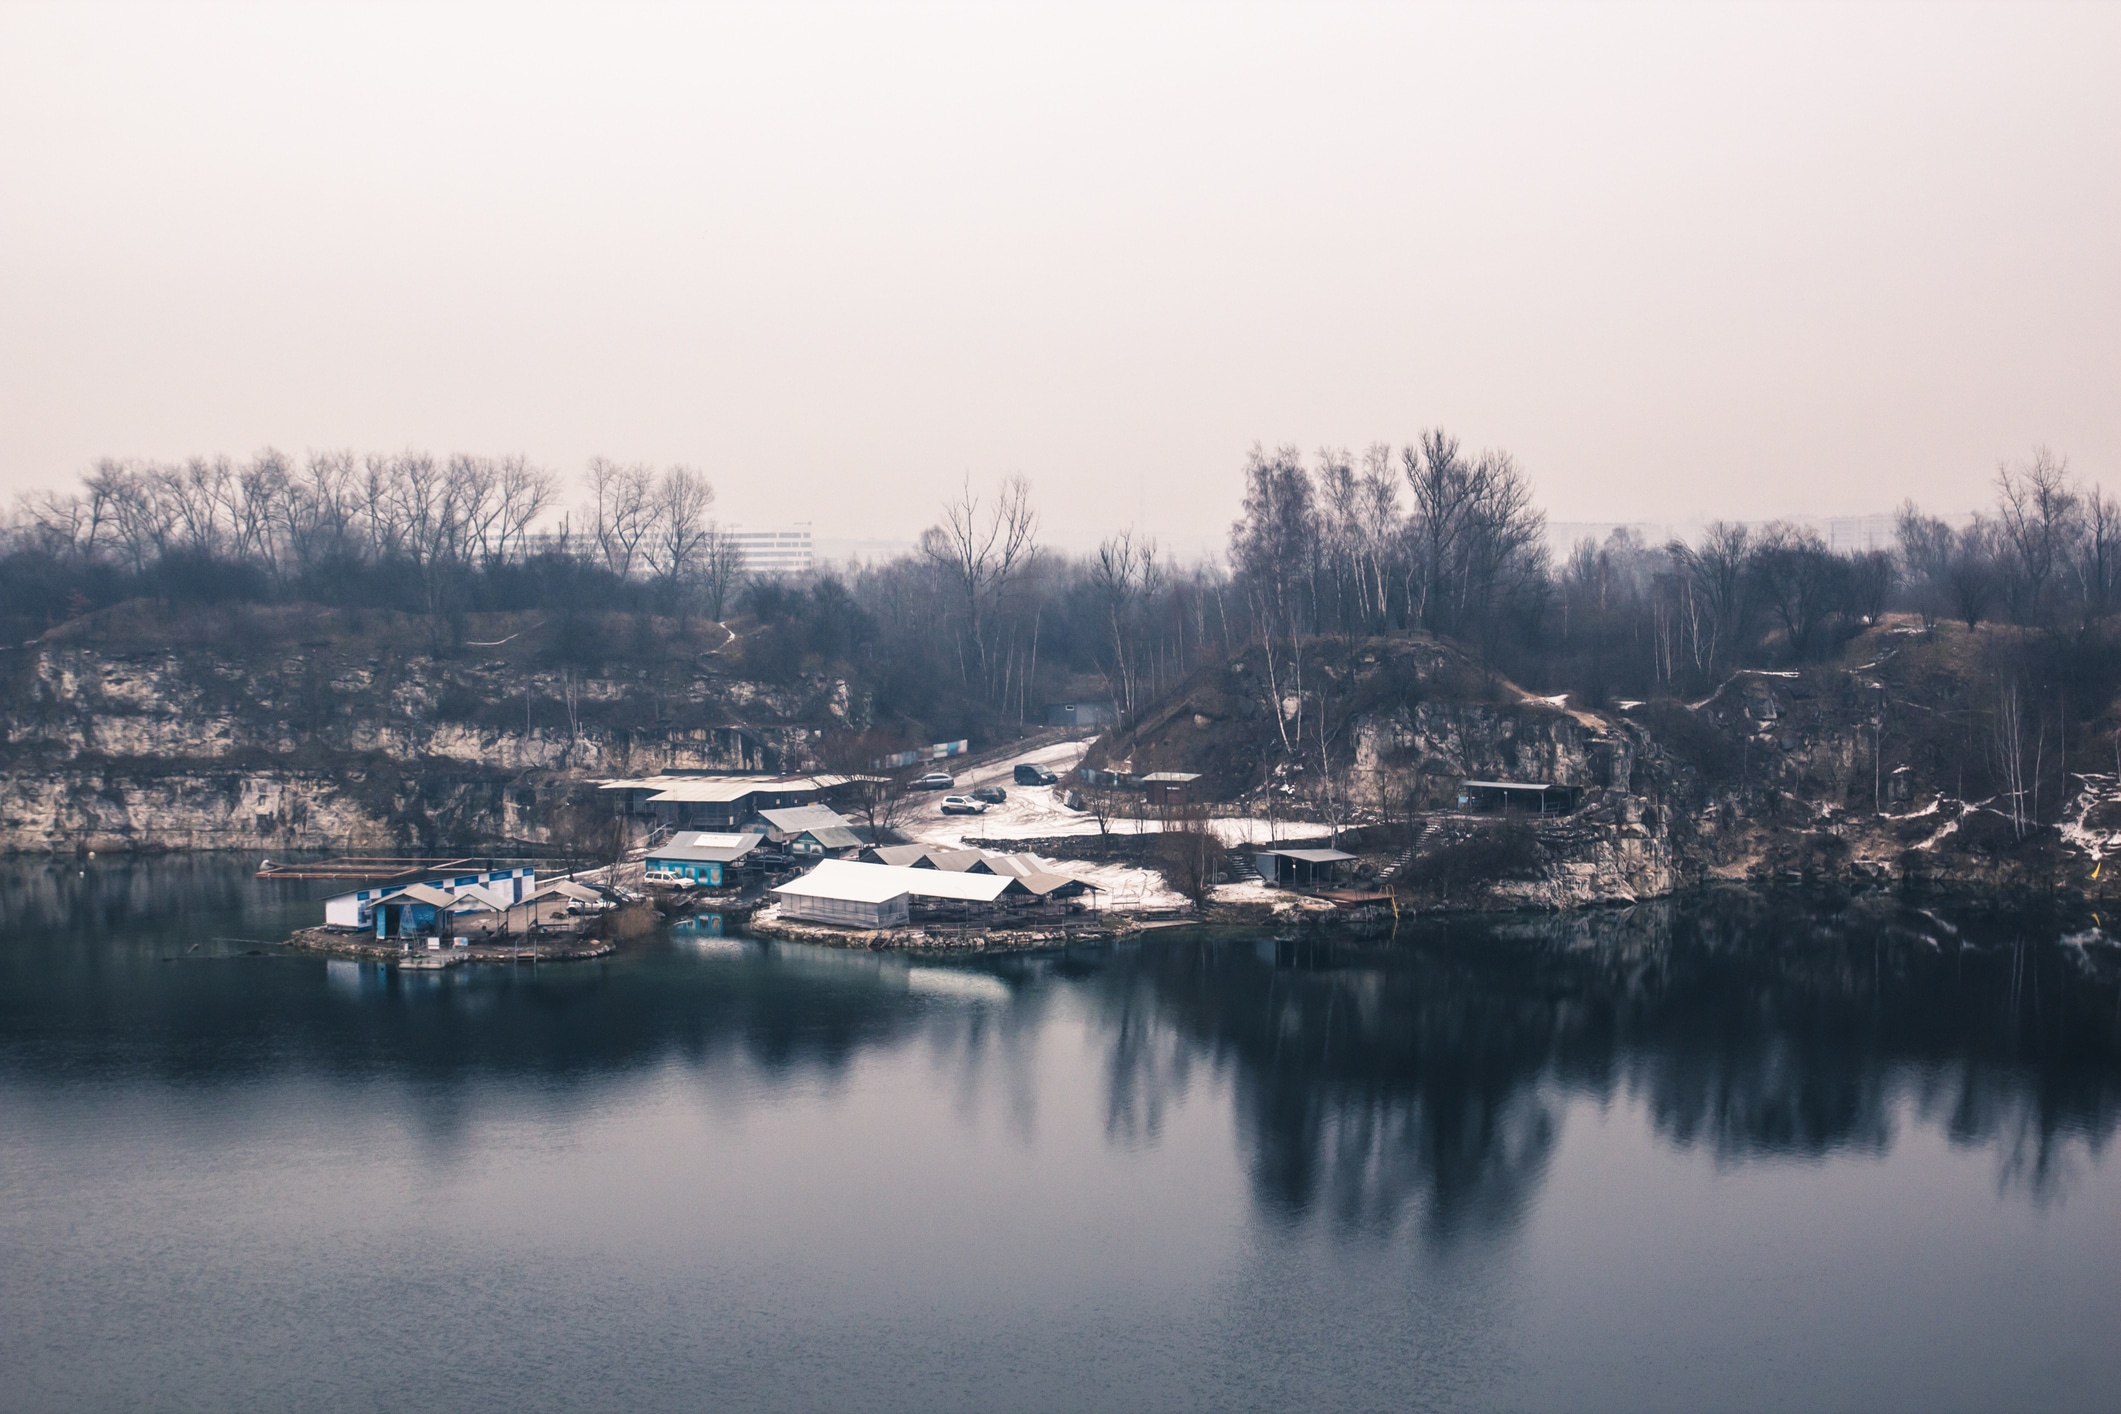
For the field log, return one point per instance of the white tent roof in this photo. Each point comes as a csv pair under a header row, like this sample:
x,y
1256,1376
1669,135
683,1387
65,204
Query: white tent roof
x,y
567,888
722,788
874,883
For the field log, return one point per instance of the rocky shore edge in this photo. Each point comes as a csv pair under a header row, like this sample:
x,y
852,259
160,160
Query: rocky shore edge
x,y
339,943
767,923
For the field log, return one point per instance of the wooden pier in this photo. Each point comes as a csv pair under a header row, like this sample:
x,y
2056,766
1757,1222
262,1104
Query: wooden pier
x,y
379,868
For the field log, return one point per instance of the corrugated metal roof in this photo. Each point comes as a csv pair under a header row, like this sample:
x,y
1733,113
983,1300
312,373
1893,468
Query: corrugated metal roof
x,y
854,882
1309,856
739,846
835,836
1043,884
421,893
1511,785
794,819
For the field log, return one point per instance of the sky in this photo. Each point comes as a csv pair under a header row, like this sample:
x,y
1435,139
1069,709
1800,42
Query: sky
x,y
1681,262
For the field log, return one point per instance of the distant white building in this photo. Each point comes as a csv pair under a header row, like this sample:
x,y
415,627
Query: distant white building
x,y
777,551
1848,535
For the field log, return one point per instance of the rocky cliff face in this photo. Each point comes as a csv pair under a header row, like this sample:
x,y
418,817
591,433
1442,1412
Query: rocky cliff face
x,y
347,741
1403,722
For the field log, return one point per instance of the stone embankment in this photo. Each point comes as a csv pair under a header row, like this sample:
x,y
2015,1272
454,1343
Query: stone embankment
x,y
547,947
768,923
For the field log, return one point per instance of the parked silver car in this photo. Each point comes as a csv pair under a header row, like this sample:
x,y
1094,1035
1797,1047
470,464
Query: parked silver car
x,y
963,805
935,780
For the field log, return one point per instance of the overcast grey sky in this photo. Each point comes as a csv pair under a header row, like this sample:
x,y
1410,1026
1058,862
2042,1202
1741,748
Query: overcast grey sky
x,y
1689,260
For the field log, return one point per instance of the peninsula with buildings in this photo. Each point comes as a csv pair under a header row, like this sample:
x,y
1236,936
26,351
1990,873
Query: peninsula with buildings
x,y
1391,695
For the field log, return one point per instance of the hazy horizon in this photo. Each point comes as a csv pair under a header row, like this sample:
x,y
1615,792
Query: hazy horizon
x,y
1683,263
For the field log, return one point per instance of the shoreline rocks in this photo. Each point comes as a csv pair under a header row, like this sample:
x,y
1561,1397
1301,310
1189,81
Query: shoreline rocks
x,y
549,948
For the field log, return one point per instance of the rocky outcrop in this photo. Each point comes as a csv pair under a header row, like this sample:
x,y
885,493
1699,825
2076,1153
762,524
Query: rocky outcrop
x,y
306,734
377,809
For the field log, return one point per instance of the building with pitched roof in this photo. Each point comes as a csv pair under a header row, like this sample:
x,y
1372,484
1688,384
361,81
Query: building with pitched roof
x,y
808,831
698,857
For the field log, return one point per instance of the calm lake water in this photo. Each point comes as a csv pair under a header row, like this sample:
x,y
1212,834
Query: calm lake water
x,y
1723,1154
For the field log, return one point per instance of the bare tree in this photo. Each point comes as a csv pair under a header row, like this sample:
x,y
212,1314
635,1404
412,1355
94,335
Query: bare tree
x,y
682,500
1926,547
262,485
526,493
1382,528
622,512
1125,572
1802,582
981,552
140,519
1973,578
2008,749
2098,568
1477,539
475,491
721,566
879,796
2037,509
1190,854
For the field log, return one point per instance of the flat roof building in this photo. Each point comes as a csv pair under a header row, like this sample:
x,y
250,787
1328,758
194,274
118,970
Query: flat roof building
x,y
849,894
1531,797
1300,868
718,801
775,549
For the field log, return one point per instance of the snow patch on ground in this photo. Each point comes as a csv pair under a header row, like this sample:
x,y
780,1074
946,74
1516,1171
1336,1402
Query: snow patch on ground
x,y
2098,790
1038,812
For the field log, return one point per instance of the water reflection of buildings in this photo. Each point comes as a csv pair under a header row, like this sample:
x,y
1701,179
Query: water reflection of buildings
x,y
1423,1081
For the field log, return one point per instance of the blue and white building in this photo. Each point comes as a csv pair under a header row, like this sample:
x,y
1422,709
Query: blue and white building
x,y
496,888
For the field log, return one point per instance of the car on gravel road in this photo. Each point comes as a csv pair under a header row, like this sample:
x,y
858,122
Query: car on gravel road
x,y
963,805
1028,774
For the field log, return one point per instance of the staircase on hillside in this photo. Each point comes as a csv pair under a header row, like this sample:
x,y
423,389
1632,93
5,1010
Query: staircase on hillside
x,y
1406,856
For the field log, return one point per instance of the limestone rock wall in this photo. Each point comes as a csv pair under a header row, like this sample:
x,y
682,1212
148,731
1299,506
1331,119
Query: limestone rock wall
x,y
176,750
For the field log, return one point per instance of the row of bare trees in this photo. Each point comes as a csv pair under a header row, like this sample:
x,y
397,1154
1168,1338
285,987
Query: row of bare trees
x,y
1632,618
640,522
1334,548
285,520
983,625
2047,553
274,514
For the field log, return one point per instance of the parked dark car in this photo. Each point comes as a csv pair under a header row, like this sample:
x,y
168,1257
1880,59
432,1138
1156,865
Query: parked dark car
x,y
993,795
1030,775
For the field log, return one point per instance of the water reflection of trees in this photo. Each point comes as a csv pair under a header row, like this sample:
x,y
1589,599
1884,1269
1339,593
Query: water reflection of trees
x,y
1417,1081
1421,1080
